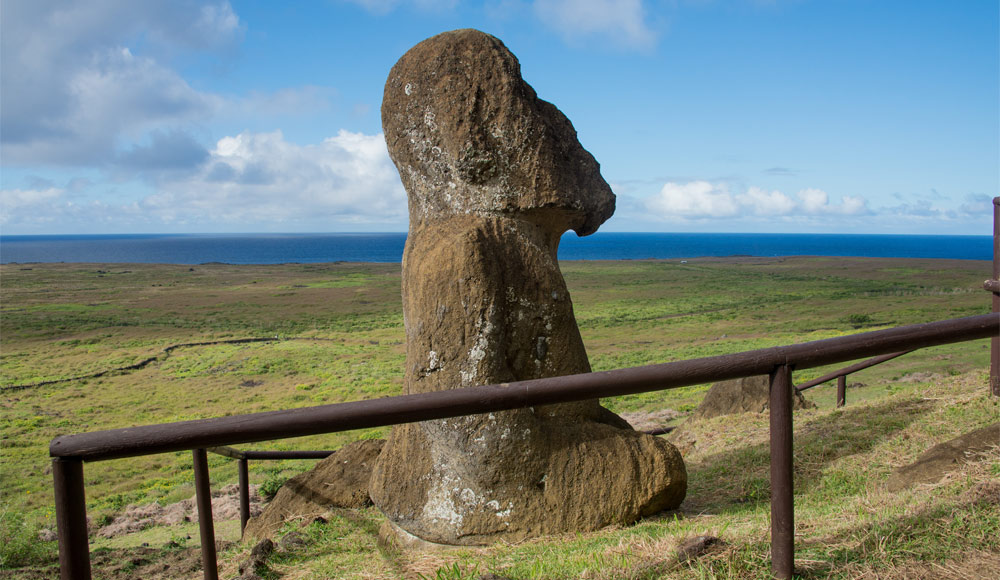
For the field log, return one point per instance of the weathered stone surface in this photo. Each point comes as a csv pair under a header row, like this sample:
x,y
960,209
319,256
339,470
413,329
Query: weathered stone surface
x,y
934,463
339,481
495,176
746,395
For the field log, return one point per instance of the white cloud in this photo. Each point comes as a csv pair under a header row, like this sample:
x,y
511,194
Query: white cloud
x,y
246,182
854,205
814,200
260,178
766,202
694,199
623,22
115,95
817,202
13,200
72,88
76,93
705,200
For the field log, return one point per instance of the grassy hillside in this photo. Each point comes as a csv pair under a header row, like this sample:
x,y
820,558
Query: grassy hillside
x,y
65,321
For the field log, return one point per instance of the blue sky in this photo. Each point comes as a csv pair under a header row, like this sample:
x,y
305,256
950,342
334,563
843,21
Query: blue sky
x,y
706,115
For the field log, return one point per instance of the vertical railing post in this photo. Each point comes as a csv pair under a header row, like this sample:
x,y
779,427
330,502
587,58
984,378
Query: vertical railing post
x,y
71,518
841,390
995,341
203,494
244,493
782,506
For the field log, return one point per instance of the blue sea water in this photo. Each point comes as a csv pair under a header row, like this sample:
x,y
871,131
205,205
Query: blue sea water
x,y
388,247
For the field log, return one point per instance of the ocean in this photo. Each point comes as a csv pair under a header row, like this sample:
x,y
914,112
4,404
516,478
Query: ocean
x,y
388,247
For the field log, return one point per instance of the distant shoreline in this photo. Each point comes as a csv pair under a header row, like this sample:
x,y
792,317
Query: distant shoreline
x,y
388,247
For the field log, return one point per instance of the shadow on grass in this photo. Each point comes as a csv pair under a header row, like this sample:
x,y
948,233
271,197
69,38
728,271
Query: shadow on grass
x,y
739,478
950,531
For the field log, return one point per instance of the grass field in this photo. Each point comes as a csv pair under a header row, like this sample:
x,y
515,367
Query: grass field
x,y
61,323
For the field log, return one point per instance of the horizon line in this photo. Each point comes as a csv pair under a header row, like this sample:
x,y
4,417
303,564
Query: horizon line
x,y
567,233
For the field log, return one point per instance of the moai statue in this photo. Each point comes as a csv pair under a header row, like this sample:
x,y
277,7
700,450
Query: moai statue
x,y
495,176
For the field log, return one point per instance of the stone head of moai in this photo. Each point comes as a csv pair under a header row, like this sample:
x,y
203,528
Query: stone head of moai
x,y
469,135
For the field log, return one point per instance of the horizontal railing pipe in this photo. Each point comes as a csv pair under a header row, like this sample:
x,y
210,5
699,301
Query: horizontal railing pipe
x,y
851,369
306,454
234,453
203,433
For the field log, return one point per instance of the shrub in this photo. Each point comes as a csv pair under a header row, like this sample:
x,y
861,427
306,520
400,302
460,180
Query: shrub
x,y
19,544
859,320
271,485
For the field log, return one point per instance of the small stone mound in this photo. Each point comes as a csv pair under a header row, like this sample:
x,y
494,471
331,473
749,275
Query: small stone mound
x,y
944,457
693,548
340,480
256,564
746,395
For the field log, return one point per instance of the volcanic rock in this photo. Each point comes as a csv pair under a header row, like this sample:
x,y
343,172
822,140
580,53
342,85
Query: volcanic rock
x,y
746,395
495,176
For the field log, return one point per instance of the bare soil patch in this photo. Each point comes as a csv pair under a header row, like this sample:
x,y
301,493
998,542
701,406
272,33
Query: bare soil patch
x,y
225,506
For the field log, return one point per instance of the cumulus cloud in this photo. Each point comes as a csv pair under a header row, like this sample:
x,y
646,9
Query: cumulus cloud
x,y
72,87
706,200
13,200
817,202
694,199
254,178
246,182
761,202
623,22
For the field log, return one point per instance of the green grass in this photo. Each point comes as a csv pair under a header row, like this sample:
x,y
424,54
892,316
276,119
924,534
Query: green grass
x,y
847,524
66,320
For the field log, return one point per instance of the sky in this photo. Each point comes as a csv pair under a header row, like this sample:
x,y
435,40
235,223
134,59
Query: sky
x,y
781,116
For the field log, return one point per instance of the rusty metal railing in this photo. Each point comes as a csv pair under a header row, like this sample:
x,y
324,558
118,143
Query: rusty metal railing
x,y
243,458
993,286
841,375
71,451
